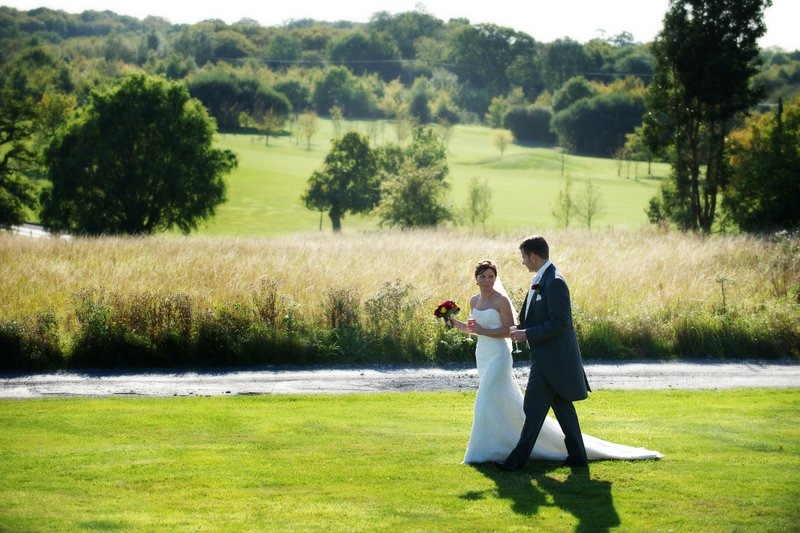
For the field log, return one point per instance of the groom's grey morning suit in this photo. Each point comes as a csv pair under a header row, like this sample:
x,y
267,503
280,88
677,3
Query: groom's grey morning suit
x,y
557,376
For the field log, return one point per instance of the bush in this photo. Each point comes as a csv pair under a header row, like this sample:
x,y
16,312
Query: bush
x,y
393,326
530,124
30,345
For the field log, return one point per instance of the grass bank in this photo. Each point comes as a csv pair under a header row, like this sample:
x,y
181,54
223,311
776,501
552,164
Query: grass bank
x,y
368,297
390,462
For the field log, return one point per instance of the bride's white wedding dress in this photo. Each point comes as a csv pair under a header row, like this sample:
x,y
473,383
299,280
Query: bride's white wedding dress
x,y
499,416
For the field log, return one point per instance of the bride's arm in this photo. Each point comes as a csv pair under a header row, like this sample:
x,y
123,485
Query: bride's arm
x,y
460,325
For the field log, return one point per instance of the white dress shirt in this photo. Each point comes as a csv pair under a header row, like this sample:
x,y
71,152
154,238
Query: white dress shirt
x,y
536,279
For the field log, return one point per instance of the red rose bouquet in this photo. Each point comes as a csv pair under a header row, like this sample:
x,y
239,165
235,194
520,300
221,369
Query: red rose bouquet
x,y
445,310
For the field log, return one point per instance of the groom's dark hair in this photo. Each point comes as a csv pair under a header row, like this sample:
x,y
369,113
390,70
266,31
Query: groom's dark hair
x,y
535,244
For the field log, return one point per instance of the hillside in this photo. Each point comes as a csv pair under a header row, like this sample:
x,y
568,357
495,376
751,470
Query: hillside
x,y
264,191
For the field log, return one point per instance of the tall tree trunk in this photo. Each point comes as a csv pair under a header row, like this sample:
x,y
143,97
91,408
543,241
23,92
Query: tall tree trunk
x,y
336,219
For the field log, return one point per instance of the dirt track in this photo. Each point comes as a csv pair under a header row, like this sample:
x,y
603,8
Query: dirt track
x,y
634,375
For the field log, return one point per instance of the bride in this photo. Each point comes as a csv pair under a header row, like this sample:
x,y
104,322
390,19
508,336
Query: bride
x,y
499,416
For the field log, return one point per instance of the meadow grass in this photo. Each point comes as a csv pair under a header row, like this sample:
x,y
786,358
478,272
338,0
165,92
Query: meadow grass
x,y
368,462
264,191
636,294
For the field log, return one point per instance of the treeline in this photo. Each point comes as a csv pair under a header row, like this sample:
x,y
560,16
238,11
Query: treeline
x,y
407,66
609,97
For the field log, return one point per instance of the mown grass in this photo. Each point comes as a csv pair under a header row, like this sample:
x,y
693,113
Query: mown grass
x,y
264,191
369,297
368,462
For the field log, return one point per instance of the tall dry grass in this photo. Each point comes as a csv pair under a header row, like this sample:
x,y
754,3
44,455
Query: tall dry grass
x,y
627,284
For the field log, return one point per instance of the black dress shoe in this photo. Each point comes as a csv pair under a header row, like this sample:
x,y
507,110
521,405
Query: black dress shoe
x,y
508,465
574,463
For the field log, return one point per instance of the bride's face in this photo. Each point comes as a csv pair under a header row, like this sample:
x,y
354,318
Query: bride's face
x,y
486,279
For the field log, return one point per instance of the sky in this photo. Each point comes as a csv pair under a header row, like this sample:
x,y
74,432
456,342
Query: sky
x,y
580,20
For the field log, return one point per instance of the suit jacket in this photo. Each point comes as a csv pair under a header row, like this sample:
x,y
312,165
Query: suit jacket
x,y
551,337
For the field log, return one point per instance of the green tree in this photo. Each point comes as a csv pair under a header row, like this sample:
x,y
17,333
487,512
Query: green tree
x,y
764,189
337,86
561,60
139,159
17,127
530,123
588,204
406,28
414,186
705,58
479,203
575,88
598,125
283,48
419,107
365,53
227,94
501,139
348,181
481,57
309,125
564,207
639,150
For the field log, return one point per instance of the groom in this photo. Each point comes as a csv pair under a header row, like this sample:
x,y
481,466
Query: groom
x,y
557,377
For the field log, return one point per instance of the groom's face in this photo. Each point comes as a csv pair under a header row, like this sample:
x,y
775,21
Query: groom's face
x,y
530,261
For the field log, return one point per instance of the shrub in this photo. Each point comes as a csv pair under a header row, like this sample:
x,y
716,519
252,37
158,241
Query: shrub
x,y
30,345
530,124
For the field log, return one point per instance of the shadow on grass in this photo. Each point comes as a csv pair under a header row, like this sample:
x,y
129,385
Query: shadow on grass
x,y
589,500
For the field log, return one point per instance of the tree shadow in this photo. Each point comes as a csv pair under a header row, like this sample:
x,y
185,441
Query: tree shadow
x,y
589,500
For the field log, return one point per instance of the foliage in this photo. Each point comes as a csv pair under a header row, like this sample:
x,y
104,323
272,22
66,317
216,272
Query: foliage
x,y
479,203
366,53
419,107
227,94
480,55
30,345
501,139
530,124
92,47
139,160
338,87
694,97
784,272
407,28
564,206
17,116
413,183
573,90
563,59
764,188
413,198
348,181
598,125
308,125
588,204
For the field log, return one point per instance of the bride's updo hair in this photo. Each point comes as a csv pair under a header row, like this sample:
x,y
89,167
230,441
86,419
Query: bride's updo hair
x,y
483,266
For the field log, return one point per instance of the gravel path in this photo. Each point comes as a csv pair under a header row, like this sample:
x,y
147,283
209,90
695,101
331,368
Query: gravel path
x,y
629,375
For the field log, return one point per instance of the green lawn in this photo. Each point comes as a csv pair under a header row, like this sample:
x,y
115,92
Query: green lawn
x,y
390,462
264,191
